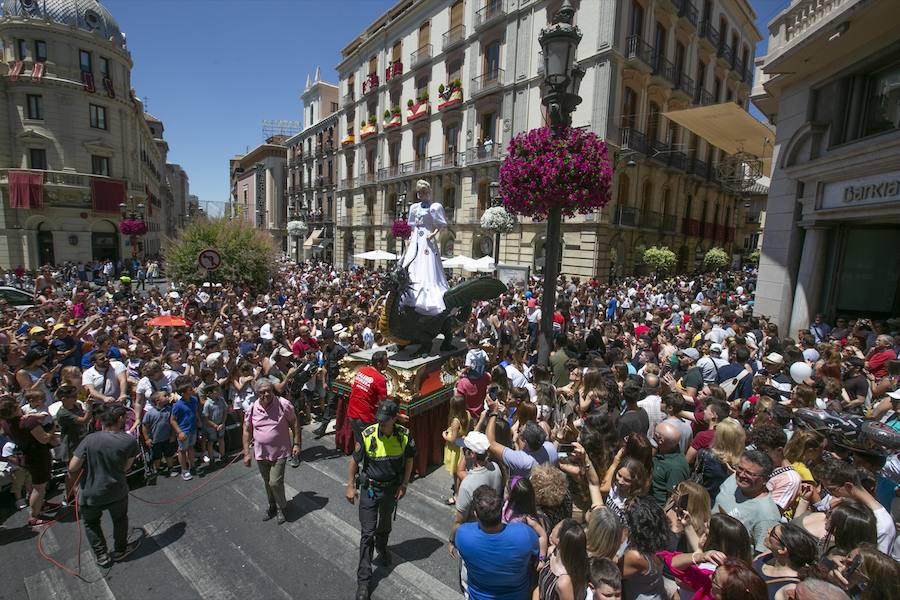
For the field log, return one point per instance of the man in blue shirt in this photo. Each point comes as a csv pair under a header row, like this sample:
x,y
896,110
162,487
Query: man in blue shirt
x,y
185,417
497,556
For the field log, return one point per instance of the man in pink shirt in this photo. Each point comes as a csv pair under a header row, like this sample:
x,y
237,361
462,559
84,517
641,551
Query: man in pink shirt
x,y
270,423
474,391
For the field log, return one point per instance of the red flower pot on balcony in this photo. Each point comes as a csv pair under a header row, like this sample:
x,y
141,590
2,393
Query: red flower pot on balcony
x,y
395,120
349,140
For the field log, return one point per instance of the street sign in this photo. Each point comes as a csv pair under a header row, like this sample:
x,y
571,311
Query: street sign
x,y
209,259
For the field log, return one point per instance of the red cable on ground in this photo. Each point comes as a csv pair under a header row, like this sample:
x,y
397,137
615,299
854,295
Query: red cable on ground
x,y
207,481
54,521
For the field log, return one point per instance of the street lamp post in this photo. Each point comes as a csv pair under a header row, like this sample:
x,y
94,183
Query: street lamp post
x,y
562,78
401,210
134,212
494,192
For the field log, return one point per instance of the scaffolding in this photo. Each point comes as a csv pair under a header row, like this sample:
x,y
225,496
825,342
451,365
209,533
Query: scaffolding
x,y
279,128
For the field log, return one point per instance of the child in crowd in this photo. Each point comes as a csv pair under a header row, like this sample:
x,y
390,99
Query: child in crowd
x,y
21,478
158,433
476,359
185,420
214,411
36,404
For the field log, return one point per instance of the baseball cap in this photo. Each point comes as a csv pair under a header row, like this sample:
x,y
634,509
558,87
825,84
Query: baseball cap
x,y
388,409
35,330
690,353
477,442
774,358
717,348
895,394
282,351
59,326
532,303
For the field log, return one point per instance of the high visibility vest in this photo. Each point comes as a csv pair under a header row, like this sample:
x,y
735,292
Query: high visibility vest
x,y
384,455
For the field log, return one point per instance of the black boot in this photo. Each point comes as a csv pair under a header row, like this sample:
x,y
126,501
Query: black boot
x,y
362,591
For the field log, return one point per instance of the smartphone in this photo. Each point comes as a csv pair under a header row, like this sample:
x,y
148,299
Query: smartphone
x,y
565,449
493,393
853,566
683,501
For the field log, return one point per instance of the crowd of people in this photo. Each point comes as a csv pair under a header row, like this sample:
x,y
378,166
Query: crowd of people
x,y
677,444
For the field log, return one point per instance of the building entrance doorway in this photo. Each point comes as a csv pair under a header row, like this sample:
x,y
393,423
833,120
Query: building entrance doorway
x,y
46,254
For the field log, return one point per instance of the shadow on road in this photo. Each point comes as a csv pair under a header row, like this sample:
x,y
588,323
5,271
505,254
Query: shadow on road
x,y
159,539
302,504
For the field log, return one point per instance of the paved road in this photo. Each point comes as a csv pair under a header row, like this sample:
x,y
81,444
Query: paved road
x,y
212,544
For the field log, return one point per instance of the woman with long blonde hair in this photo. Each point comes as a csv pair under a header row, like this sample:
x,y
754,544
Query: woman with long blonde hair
x,y
716,464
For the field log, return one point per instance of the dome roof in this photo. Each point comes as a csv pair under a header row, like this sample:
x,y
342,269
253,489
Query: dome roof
x,y
86,15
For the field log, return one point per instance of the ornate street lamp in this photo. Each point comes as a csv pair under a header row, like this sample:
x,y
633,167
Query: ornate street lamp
x,y
133,224
494,192
562,78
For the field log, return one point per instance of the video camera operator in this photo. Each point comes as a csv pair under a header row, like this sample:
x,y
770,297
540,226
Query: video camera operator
x,y
106,457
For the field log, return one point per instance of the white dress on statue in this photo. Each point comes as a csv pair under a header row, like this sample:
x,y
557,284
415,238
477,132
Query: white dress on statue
x,y
422,258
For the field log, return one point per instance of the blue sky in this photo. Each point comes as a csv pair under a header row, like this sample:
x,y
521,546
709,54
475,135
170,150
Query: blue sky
x,y
212,70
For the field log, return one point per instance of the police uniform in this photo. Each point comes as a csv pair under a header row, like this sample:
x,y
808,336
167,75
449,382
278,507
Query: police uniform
x,y
382,459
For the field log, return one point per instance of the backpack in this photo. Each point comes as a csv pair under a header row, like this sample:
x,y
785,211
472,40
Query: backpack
x,y
730,386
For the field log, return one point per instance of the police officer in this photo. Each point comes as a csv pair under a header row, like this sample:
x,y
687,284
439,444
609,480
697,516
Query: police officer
x,y
386,457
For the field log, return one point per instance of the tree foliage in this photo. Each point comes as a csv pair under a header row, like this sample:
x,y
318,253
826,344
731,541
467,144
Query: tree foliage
x,y
753,258
659,258
716,258
248,254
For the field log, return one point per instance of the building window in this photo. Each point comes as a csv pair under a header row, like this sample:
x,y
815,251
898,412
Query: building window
x,y
21,49
334,107
37,159
882,107
100,165
87,63
40,50
636,25
104,66
35,107
489,127
98,117
492,60
629,108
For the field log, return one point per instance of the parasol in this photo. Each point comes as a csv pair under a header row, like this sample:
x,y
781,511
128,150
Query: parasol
x,y
168,321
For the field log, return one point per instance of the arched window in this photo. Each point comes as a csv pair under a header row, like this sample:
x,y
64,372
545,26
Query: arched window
x,y
629,108
652,122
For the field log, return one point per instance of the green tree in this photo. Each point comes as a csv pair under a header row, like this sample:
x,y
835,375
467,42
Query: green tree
x,y
715,258
660,259
248,255
753,258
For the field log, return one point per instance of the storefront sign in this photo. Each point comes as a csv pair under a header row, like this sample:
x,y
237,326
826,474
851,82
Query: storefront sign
x,y
876,189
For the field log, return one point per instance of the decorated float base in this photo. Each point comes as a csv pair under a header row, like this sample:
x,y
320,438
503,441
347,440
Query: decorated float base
x,y
422,386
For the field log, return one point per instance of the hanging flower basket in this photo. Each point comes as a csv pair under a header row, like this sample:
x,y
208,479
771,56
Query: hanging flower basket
x,y
497,219
392,118
297,228
133,227
348,140
401,230
544,169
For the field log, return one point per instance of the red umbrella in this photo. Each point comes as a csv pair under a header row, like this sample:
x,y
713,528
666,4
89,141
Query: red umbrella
x,y
168,321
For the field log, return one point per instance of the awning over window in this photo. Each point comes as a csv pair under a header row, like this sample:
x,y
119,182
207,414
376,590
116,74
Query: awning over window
x,y
313,238
729,127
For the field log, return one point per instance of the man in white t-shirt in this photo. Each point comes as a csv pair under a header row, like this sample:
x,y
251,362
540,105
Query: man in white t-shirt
x,y
102,380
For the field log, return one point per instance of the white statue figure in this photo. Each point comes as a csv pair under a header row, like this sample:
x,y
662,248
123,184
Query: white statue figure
x,y
423,257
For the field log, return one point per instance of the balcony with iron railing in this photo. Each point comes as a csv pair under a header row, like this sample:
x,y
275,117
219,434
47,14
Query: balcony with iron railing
x,y
481,154
669,224
454,37
690,227
421,56
638,52
726,54
709,34
319,151
703,98
493,12
348,100
633,139
698,168
346,183
393,72
685,85
663,68
64,180
626,216
370,84
367,179
487,83
650,220
687,11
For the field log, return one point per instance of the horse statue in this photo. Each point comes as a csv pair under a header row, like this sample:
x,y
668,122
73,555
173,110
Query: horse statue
x,y
404,326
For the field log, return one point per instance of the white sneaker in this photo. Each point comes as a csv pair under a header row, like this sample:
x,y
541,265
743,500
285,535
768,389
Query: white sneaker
x,y
217,456
186,475
205,459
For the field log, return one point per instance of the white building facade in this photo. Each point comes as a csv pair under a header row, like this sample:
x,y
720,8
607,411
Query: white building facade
x,y
74,135
435,90
831,82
